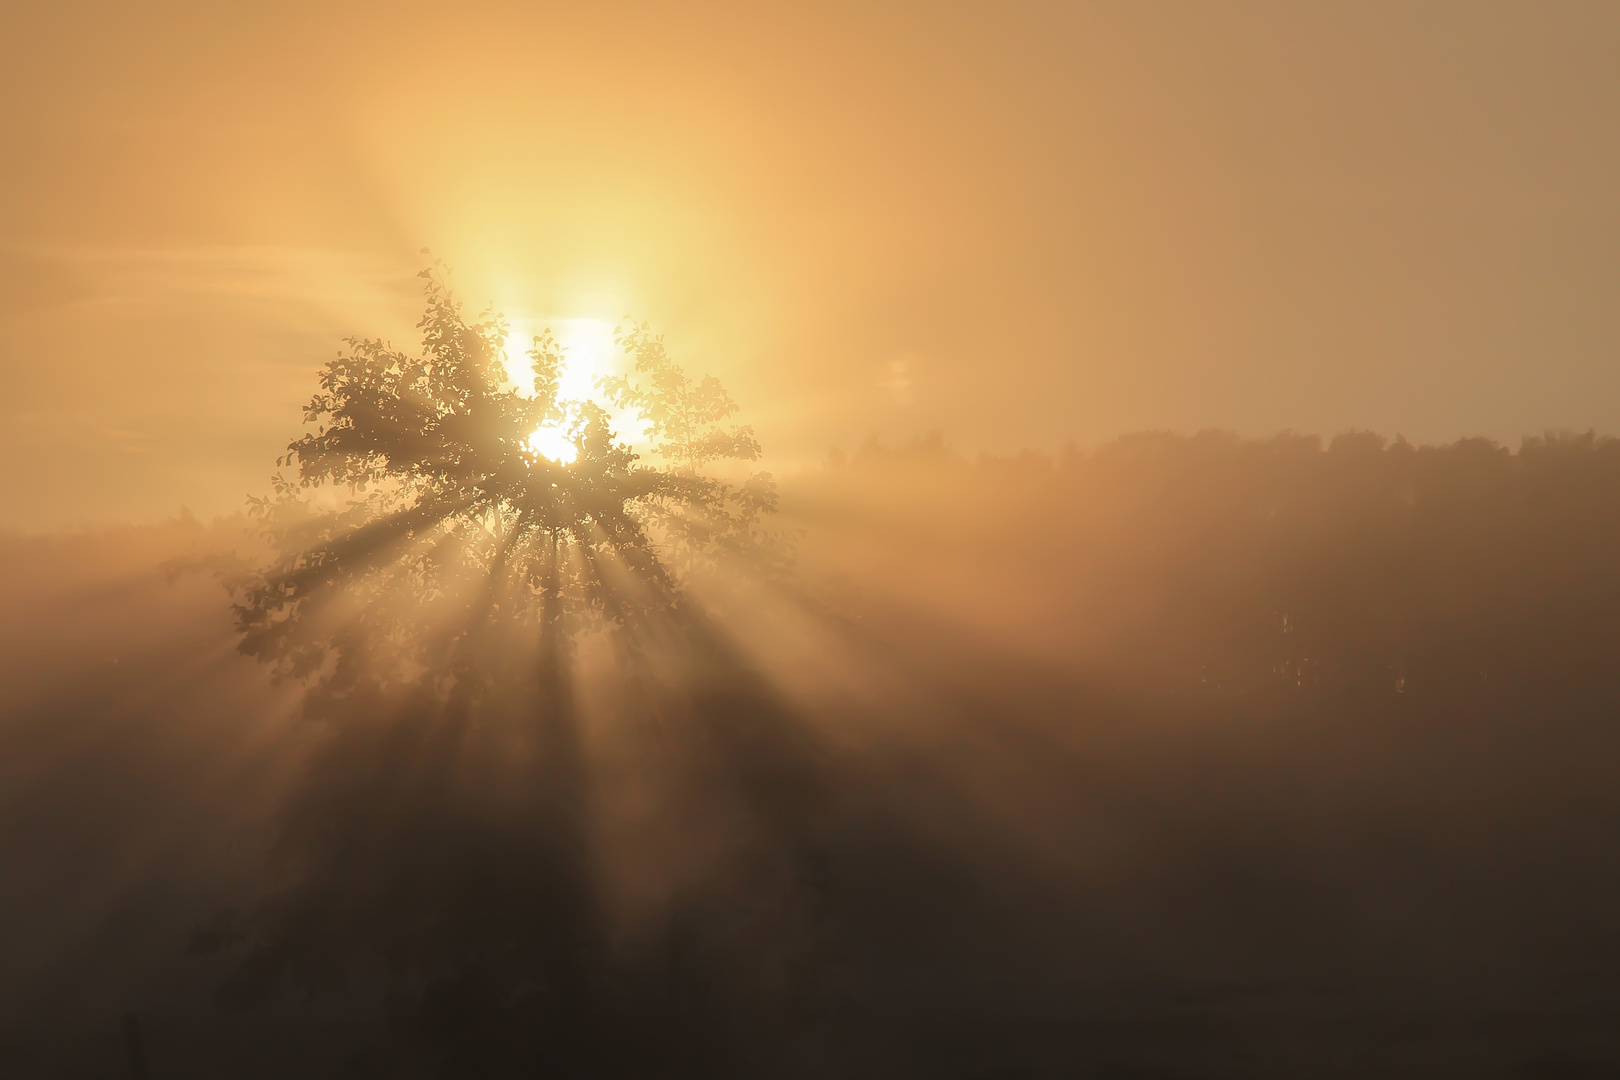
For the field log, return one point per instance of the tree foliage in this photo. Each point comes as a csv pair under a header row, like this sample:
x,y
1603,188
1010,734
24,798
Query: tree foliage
x,y
417,515
682,417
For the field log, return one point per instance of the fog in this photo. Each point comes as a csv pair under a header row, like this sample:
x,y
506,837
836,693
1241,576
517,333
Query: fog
x,y
1193,756
908,540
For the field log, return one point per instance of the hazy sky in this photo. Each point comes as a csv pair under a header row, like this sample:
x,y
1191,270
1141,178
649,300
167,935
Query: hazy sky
x,y
1017,224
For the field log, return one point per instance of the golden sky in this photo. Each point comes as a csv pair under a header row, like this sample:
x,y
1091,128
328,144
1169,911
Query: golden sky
x,y
1016,224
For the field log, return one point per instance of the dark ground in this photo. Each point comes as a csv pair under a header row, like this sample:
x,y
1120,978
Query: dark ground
x,y
1193,758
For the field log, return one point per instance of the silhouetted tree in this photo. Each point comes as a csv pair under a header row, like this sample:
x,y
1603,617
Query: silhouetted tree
x,y
431,574
446,491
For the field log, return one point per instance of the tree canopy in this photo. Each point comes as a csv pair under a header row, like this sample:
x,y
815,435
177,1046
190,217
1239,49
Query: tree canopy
x,y
417,511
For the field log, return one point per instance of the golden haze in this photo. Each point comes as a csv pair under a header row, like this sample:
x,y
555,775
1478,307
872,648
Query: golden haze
x,y
1014,224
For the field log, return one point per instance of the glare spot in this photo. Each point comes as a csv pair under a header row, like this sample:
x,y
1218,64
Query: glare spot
x,y
554,443
589,354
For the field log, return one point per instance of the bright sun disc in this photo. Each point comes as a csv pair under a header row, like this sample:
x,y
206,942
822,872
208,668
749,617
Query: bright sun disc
x,y
588,355
554,443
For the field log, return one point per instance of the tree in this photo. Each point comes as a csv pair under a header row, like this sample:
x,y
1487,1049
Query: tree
x,y
431,571
446,492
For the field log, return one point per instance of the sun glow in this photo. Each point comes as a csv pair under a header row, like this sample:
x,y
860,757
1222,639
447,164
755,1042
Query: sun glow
x,y
589,354
554,443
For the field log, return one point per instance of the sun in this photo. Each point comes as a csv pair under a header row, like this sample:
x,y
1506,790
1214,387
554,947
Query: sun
x,y
589,354
553,443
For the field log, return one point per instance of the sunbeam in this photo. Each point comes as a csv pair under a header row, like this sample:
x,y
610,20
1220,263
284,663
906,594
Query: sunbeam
x,y
870,541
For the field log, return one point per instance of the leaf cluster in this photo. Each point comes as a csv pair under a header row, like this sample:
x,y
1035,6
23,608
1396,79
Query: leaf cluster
x,y
719,523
